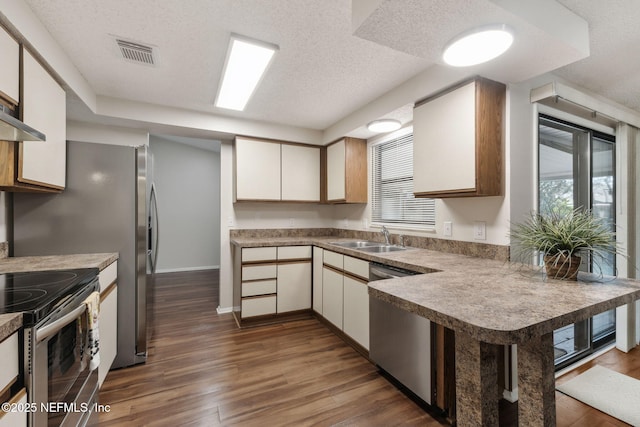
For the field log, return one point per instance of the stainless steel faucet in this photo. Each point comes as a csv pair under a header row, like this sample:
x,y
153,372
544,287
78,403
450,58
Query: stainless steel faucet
x,y
385,232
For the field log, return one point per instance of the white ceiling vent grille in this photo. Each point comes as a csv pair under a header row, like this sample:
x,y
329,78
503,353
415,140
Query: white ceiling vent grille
x,y
136,52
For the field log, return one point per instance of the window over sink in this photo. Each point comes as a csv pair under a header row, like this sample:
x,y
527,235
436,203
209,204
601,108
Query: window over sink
x,y
392,200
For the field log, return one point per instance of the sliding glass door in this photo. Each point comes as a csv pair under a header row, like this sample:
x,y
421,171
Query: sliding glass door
x,y
576,170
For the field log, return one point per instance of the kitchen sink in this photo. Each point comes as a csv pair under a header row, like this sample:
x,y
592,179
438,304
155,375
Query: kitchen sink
x,y
369,246
357,244
382,248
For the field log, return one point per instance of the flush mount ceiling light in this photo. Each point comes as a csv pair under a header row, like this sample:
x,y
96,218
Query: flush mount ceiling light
x,y
478,46
247,60
384,125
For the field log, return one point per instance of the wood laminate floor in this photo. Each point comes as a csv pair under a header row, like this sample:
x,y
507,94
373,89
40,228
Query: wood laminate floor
x,y
204,371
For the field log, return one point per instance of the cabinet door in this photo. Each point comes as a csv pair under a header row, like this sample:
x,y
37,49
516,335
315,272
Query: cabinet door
x,y
332,296
10,70
444,142
10,356
43,108
300,173
336,171
108,333
317,279
294,287
356,311
257,169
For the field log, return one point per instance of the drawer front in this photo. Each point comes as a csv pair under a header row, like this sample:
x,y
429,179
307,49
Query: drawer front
x,y
17,418
10,363
259,254
257,272
294,252
258,306
262,287
334,259
108,276
357,267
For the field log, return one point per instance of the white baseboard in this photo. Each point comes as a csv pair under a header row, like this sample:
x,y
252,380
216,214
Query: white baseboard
x,y
178,270
223,310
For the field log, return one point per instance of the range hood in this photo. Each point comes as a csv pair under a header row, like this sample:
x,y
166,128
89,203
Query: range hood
x,y
12,129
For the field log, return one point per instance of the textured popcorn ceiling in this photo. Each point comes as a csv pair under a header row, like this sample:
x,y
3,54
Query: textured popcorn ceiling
x,y
325,68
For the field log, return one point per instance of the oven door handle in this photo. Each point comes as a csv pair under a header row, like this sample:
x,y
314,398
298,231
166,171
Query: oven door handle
x,y
54,327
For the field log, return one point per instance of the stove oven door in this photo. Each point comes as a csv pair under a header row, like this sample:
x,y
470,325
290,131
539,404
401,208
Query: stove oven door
x,y
62,384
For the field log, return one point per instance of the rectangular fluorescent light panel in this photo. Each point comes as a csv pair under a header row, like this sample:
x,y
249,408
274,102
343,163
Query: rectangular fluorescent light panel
x,y
247,61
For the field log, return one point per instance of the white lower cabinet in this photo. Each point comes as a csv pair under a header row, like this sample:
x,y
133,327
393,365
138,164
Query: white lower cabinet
x,y
294,287
273,280
9,374
332,296
356,310
108,319
10,356
108,332
345,295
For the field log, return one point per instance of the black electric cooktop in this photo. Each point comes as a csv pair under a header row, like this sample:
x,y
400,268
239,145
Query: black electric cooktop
x,y
38,293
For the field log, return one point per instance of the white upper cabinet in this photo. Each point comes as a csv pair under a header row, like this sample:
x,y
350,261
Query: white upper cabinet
x,y
347,171
300,173
43,107
257,169
336,188
10,70
458,142
276,171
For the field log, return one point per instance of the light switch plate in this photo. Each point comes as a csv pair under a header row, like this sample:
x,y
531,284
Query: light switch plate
x,y
447,229
480,230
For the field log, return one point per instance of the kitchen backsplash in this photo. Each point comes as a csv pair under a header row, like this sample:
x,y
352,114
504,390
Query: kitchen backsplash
x,y
479,250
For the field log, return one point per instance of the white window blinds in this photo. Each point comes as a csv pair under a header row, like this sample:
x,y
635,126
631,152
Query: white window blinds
x,y
392,181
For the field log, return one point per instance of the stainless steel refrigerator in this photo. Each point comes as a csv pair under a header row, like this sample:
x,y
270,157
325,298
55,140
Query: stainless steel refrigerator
x,y
104,208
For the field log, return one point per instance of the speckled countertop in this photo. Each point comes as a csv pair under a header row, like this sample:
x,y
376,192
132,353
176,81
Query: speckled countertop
x,y
56,262
492,301
9,323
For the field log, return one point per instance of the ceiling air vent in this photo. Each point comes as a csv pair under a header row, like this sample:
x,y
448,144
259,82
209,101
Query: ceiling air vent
x,y
136,52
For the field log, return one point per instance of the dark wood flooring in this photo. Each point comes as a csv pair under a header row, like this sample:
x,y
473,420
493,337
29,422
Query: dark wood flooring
x,y
204,371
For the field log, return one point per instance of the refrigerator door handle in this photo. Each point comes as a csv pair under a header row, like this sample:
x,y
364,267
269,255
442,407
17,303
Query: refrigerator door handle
x,y
154,235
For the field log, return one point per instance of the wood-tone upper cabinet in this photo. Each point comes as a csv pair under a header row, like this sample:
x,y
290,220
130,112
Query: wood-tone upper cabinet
x,y
300,173
276,171
257,169
347,171
458,141
10,70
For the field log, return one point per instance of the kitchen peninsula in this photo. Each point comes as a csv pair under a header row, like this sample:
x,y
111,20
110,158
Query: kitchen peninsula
x,y
488,303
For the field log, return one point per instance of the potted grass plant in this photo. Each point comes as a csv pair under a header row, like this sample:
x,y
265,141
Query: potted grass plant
x,y
562,238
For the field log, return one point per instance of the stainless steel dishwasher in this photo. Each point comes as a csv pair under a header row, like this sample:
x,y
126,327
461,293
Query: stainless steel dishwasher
x,y
400,342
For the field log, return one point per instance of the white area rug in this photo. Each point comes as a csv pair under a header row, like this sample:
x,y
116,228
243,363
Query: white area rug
x,y
608,391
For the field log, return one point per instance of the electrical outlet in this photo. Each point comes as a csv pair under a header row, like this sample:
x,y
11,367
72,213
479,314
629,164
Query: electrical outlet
x,y
480,230
230,221
292,222
448,228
